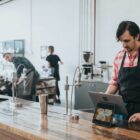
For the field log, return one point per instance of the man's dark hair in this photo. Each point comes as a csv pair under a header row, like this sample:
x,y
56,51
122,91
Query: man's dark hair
x,y
130,26
51,48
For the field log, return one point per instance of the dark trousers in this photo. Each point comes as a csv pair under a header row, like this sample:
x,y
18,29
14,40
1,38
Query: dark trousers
x,y
57,89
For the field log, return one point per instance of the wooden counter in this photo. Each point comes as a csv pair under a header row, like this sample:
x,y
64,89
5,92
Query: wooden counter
x,y
27,123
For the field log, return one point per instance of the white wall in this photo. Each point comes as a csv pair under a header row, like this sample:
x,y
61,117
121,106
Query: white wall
x,y
44,22
56,22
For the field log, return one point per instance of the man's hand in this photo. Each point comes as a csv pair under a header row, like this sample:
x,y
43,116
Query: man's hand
x,y
111,89
134,118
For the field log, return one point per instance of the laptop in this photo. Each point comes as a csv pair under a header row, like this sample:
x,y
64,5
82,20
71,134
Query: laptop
x,y
117,100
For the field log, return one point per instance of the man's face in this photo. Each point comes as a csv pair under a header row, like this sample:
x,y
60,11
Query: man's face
x,y
8,57
128,41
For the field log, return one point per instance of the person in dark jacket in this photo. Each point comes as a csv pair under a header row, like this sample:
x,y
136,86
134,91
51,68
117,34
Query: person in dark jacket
x,y
53,61
20,63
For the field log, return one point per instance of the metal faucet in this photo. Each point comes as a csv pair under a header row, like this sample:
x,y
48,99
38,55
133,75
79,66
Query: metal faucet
x,y
73,85
67,88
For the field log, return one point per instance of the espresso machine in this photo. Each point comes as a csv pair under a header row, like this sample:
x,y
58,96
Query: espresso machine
x,y
87,66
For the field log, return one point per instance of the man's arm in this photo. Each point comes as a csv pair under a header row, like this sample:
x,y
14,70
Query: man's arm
x,y
111,89
59,60
19,69
113,83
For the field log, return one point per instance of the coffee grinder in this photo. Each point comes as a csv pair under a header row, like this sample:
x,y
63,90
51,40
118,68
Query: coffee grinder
x,y
88,64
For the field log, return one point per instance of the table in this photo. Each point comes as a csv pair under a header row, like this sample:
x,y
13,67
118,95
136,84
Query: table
x,y
27,123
